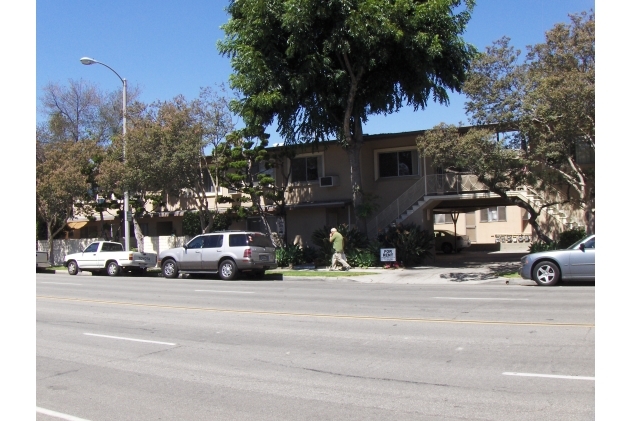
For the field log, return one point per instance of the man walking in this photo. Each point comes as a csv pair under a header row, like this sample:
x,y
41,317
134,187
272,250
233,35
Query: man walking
x,y
338,248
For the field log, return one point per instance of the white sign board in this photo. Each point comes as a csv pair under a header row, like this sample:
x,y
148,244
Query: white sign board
x,y
388,255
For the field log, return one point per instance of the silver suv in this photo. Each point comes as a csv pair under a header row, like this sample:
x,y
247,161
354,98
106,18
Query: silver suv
x,y
224,252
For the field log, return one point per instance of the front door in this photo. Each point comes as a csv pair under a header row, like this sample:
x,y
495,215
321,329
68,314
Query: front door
x,y
88,259
583,262
192,256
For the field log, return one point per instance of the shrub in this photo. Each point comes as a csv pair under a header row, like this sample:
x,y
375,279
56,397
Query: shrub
x,y
356,246
571,236
290,255
412,243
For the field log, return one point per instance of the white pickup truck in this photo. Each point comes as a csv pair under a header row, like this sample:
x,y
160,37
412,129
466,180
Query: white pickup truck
x,y
109,257
41,261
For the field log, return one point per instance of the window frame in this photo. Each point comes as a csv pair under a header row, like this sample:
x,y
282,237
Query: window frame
x,y
415,171
490,219
319,165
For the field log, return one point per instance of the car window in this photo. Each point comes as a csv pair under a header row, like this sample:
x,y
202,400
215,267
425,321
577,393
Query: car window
x,y
237,240
196,243
259,240
591,244
91,248
112,247
213,241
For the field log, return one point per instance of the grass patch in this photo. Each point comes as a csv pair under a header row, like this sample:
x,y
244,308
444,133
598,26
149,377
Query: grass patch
x,y
514,274
324,273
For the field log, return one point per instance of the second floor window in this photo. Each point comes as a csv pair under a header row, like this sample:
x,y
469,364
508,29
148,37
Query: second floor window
x,y
397,164
304,169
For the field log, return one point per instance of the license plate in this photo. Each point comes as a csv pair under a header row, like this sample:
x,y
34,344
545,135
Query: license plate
x,y
263,257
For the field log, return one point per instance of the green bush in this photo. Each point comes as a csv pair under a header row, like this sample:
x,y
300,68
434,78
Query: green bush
x,y
571,236
192,227
412,243
290,255
566,239
356,246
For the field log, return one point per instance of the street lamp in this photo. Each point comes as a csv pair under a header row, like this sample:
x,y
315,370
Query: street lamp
x,y
87,61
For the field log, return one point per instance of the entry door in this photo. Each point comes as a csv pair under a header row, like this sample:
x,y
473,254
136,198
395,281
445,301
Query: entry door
x,y
470,224
583,262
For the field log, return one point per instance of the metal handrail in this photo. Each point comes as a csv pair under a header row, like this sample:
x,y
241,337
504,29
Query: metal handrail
x,y
429,184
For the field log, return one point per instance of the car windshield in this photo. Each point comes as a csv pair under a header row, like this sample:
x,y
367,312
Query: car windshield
x,y
573,246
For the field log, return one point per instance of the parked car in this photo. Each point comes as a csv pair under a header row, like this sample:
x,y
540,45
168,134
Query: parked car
x,y
109,257
547,268
444,240
41,260
226,253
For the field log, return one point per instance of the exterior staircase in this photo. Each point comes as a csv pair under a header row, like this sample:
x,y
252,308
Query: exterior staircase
x,y
414,198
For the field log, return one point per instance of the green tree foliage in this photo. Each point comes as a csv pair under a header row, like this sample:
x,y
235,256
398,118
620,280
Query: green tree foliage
x,y
321,69
60,179
412,243
546,107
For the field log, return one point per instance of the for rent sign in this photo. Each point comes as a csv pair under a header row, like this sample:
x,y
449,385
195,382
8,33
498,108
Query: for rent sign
x,y
388,255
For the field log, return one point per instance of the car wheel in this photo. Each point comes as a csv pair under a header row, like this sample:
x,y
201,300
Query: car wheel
x,y
546,274
113,269
447,248
228,270
169,269
73,268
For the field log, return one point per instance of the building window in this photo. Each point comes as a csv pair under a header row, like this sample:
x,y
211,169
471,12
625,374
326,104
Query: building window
x,y
305,169
209,187
89,232
443,218
398,164
164,228
494,214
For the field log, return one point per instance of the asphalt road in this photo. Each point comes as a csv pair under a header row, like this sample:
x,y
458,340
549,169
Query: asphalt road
x,y
130,348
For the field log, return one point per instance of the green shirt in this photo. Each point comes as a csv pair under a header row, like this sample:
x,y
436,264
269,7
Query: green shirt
x,y
338,242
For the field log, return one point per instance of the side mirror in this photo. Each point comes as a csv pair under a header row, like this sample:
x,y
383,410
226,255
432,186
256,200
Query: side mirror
x,y
185,247
581,247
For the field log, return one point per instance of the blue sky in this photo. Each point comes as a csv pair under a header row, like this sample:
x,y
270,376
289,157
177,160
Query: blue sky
x,y
169,48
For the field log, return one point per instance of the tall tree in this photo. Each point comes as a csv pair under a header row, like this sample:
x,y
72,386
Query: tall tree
x,y
548,100
321,69
60,179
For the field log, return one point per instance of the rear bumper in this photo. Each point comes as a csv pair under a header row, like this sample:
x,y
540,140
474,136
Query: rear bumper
x,y
246,265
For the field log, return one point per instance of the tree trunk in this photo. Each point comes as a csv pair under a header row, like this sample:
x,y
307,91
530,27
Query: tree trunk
x,y
50,243
356,182
139,235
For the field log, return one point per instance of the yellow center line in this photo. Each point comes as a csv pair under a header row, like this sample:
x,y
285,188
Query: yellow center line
x,y
319,315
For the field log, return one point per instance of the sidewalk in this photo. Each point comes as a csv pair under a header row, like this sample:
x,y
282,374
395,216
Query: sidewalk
x,y
473,268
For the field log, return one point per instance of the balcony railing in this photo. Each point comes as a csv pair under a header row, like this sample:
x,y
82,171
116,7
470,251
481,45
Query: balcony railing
x,y
429,184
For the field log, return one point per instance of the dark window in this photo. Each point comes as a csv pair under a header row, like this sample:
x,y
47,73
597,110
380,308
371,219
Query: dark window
x,y
196,243
591,244
164,228
213,241
112,247
259,240
396,164
237,240
304,169
91,248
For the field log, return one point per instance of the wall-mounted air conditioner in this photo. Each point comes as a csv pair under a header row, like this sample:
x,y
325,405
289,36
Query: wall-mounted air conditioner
x,y
100,199
329,181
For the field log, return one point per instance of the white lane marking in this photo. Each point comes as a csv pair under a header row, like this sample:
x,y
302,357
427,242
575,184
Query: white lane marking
x,y
551,376
59,283
58,414
129,339
483,298
234,292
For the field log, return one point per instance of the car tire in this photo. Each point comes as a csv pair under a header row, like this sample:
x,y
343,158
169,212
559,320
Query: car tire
x,y
113,269
170,269
73,268
228,270
546,273
446,248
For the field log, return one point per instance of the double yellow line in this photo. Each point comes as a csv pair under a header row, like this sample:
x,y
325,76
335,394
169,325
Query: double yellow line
x,y
317,315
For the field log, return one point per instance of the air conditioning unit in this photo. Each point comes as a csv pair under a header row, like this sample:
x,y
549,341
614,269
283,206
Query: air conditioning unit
x,y
100,199
329,181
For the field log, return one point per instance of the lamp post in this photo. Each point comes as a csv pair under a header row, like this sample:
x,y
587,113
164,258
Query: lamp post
x,y
87,61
